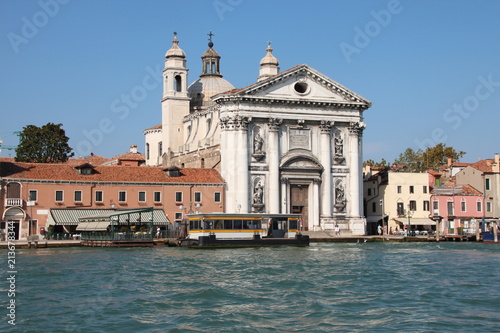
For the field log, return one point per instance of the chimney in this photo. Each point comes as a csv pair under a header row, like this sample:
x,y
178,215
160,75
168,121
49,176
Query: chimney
x,y
133,149
450,161
496,166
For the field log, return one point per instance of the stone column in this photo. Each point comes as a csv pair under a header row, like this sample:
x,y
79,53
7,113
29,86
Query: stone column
x,y
355,190
228,166
241,164
273,185
315,204
326,160
285,197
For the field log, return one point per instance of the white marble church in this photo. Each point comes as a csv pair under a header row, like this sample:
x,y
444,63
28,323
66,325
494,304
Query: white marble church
x,y
289,143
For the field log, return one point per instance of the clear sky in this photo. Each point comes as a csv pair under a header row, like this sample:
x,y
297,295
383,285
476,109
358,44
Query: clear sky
x,y
431,68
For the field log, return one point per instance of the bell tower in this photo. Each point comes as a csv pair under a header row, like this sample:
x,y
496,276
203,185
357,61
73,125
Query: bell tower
x,y
175,101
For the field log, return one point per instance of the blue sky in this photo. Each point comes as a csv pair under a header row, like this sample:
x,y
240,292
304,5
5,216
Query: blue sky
x,y
431,68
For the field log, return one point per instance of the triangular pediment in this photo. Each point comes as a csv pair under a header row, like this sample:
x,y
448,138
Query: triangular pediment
x,y
300,84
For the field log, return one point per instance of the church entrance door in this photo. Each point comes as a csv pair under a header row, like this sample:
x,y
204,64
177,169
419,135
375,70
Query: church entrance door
x,y
299,196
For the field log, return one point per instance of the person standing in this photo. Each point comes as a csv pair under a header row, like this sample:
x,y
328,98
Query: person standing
x,y
379,230
337,230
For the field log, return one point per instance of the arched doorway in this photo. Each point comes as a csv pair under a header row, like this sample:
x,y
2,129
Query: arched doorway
x,y
301,173
13,218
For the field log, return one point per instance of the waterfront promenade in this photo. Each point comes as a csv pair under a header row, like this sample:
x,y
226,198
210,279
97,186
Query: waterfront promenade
x,y
315,237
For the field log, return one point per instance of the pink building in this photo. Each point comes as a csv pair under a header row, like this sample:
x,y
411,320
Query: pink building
x,y
460,206
35,196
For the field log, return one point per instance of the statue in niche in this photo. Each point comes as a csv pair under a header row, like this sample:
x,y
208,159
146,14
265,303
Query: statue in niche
x,y
339,149
340,200
258,194
258,146
258,143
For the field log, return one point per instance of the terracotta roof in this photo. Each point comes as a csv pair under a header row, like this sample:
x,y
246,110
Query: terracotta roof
x,y
159,126
130,157
483,165
433,173
451,189
138,174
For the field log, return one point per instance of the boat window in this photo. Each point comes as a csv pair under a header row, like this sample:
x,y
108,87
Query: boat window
x,y
245,224
237,224
293,224
194,224
218,224
228,224
208,224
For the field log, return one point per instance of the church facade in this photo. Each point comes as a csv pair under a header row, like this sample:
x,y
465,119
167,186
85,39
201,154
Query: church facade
x,y
289,143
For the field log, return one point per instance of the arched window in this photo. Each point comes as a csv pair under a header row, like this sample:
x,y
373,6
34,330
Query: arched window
x,y
178,83
160,149
147,151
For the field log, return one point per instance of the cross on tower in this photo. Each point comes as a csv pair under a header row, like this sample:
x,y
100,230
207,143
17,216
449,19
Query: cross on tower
x,y
210,36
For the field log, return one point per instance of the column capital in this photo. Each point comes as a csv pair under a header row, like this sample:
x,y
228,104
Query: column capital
x,y
356,128
274,124
326,126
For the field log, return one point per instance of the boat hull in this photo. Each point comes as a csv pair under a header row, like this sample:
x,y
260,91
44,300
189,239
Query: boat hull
x,y
213,242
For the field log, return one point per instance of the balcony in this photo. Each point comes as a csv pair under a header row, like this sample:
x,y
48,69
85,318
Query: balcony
x,y
13,202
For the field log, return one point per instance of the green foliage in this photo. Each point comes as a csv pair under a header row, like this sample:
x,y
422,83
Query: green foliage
x,y
412,159
46,144
382,163
420,161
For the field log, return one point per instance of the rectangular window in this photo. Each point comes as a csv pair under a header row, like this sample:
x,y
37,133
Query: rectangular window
x,y
479,206
399,189
59,196
217,197
488,206
462,206
178,196
426,205
435,207
78,196
122,196
413,205
450,208
412,189
99,196
369,192
197,196
401,209
33,195
157,197
425,189
178,216
374,207
142,196
488,185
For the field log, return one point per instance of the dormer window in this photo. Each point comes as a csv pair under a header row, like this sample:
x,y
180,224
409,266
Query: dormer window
x,y
173,171
85,169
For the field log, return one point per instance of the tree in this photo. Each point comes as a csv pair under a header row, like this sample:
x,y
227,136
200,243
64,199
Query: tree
x,y
382,163
434,157
46,144
412,159
431,158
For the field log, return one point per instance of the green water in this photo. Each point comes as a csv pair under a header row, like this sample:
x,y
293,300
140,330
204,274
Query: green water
x,y
367,287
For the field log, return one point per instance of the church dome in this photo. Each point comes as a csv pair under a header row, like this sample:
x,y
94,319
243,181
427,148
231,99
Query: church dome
x,y
205,87
210,82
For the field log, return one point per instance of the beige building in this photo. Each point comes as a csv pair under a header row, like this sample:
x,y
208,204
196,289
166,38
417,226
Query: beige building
x,y
401,198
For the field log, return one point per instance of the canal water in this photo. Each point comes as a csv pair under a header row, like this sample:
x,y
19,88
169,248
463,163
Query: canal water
x,y
364,287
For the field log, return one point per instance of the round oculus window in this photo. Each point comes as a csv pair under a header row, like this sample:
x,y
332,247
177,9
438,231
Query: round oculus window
x,y
301,87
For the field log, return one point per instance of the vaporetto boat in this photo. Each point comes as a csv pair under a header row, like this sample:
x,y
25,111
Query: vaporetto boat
x,y
240,230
